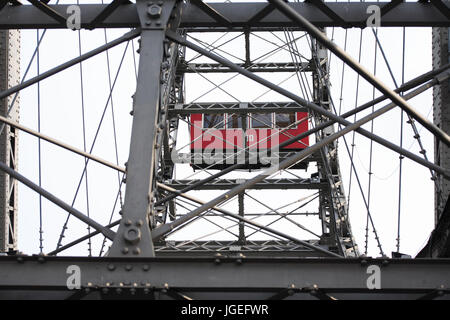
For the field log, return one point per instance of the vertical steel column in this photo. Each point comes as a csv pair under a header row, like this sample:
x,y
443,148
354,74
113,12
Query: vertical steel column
x,y
133,237
9,77
441,111
241,239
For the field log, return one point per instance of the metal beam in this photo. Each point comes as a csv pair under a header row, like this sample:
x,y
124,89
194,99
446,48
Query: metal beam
x,y
414,276
265,184
134,236
240,14
126,37
238,107
42,136
9,140
105,231
253,67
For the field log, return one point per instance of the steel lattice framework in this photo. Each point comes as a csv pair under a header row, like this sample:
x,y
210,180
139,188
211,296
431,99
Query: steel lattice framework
x,y
143,260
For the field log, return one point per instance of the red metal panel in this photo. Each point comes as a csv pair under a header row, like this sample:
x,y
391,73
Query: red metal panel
x,y
260,138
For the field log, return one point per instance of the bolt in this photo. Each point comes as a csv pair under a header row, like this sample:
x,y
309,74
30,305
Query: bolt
x,y
132,235
154,11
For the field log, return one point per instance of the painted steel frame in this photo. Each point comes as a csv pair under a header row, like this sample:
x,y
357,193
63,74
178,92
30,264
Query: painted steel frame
x,y
133,238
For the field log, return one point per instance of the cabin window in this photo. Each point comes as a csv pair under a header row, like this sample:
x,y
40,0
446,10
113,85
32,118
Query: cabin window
x,y
234,121
261,120
283,120
213,121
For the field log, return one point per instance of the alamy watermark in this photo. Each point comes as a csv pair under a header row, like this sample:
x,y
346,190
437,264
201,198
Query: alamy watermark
x,y
228,147
73,281
73,22
374,20
374,279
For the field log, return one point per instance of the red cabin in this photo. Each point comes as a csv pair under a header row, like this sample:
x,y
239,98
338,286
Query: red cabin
x,y
215,138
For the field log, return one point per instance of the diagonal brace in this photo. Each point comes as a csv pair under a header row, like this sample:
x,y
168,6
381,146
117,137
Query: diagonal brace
x,y
105,231
322,38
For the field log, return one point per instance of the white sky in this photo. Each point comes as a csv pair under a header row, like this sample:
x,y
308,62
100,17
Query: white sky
x,y
61,118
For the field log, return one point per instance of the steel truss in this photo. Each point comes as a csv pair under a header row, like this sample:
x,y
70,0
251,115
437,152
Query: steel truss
x,y
142,260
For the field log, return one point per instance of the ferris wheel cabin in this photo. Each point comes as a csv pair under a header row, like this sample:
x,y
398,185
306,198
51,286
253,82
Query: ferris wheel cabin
x,y
219,140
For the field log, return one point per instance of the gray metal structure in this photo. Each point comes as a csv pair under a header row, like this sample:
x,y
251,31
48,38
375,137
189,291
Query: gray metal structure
x,y
142,262
9,138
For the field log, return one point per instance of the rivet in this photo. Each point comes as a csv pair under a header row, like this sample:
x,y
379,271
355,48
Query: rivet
x,y
111,267
128,222
125,250
133,291
19,259
145,267
118,291
105,290
136,251
128,267
139,223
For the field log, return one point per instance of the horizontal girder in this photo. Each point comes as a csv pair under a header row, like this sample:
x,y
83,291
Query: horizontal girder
x,y
225,184
235,107
253,67
239,14
238,276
